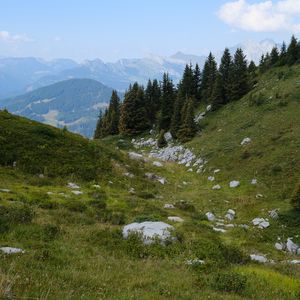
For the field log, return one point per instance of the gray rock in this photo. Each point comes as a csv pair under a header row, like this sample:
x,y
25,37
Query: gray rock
x,y
230,215
194,262
211,178
219,229
291,246
254,181
168,137
261,223
127,174
149,231
72,185
234,183
11,250
258,258
294,262
217,171
246,141
208,107
157,164
216,187
77,193
5,190
175,219
279,246
136,156
273,214
169,206
210,216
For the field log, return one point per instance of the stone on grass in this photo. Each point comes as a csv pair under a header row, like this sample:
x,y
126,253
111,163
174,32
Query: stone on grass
x,y
152,176
217,171
195,262
5,190
254,181
230,215
261,223
127,174
216,187
246,141
175,219
273,214
211,178
11,250
77,193
258,258
168,137
157,164
74,186
190,170
219,229
136,156
234,183
259,196
294,262
50,193
210,216
292,247
169,206
149,231
208,107
279,246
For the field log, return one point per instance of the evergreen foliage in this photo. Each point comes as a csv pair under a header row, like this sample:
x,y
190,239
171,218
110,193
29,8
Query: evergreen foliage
x,y
208,78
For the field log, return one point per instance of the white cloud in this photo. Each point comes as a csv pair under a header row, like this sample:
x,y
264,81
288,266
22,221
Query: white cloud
x,y
17,38
267,15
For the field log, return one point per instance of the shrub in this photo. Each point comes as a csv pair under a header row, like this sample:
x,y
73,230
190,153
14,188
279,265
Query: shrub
x,y
75,205
257,99
98,204
108,216
16,214
229,282
295,199
184,205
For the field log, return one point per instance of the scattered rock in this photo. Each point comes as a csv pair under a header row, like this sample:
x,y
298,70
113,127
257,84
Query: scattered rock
x,y
234,183
259,196
208,107
219,229
97,186
258,258
194,262
230,225
157,164
127,174
261,223
10,250
210,216
199,117
149,231
175,219
5,190
211,178
144,143
246,141
190,170
216,187
273,214
279,246
292,247
156,177
230,214
217,171
254,181
169,206
72,185
168,137
136,156
50,193
77,193
244,226
294,262
41,176
132,191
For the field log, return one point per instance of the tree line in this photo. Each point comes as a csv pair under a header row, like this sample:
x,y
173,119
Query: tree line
x,y
171,108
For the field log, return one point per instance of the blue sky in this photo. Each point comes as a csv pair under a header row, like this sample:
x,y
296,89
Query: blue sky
x,y
112,29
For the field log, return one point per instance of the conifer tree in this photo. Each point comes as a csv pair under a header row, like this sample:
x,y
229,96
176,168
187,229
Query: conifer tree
x,y
167,103
152,99
226,77
133,118
197,83
113,114
292,52
98,130
240,75
218,93
282,56
274,56
252,73
188,128
208,78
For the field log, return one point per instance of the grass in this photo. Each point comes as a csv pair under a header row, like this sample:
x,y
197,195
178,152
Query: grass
x,y
74,247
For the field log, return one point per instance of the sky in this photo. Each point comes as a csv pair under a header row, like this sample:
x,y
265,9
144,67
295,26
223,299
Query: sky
x,y
113,29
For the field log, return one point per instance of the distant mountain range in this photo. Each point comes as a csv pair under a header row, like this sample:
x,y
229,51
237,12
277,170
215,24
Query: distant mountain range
x,y
74,103
20,75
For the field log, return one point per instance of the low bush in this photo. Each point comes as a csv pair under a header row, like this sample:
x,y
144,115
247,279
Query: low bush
x,y
229,282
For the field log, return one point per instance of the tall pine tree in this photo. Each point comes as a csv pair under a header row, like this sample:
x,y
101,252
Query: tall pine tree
x,y
208,78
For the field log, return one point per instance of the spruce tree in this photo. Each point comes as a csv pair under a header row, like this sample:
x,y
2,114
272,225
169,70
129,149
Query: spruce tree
x,y
240,75
133,118
218,93
208,78
113,114
274,56
282,56
152,99
188,128
226,77
197,83
98,130
292,52
167,103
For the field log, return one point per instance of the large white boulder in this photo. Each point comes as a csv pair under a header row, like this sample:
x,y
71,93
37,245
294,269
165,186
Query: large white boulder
x,y
168,137
234,183
149,231
11,250
292,247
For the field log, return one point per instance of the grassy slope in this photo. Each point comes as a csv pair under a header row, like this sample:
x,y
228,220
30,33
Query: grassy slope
x,y
76,251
